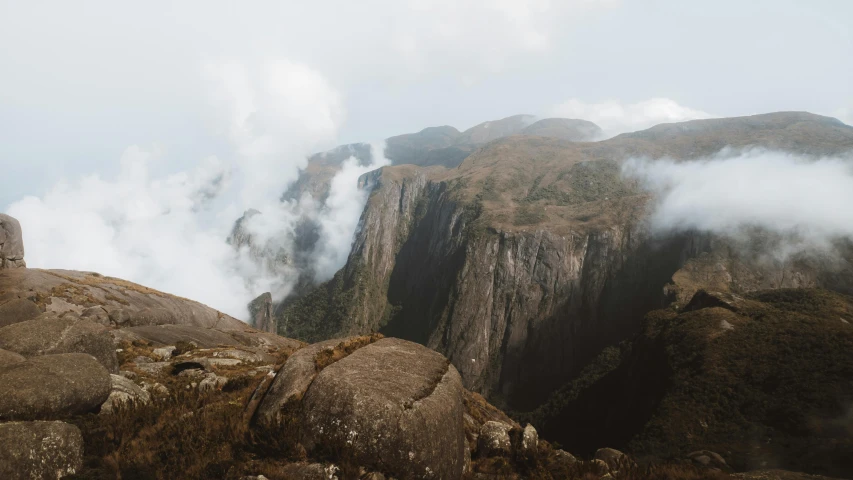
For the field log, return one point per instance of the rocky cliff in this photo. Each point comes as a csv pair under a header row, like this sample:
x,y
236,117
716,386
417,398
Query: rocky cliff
x,y
11,243
533,255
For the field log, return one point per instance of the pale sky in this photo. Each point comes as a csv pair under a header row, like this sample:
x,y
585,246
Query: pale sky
x,y
82,81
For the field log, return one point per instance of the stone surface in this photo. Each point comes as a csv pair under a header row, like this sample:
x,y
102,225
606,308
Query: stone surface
x,y
707,458
292,381
163,353
613,458
260,314
50,334
212,382
123,391
39,450
9,358
11,243
125,303
203,337
53,386
529,440
493,440
393,404
18,310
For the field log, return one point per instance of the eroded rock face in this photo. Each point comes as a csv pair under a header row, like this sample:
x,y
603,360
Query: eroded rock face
x,y
393,404
52,386
51,334
11,243
260,314
39,450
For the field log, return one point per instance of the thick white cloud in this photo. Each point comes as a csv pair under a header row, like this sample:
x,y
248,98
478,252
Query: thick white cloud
x,y
168,231
804,199
140,227
615,117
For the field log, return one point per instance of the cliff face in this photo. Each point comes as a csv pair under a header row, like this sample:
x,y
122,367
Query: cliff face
x,y
426,266
529,258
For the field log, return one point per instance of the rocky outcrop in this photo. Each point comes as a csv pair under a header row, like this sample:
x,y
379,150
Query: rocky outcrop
x,y
126,304
384,403
39,450
52,386
123,392
260,314
16,310
51,334
392,404
11,243
163,335
534,251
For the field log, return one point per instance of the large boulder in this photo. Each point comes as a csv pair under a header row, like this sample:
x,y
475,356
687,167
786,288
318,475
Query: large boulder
x,y
18,310
392,404
292,381
124,392
11,243
39,450
493,440
52,386
51,334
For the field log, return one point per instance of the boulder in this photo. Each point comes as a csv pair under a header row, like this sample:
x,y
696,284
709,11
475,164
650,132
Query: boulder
x,y
39,450
53,386
18,310
51,334
292,381
212,382
392,404
613,458
565,458
529,441
11,243
707,458
493,440
123,391
9,358
97,315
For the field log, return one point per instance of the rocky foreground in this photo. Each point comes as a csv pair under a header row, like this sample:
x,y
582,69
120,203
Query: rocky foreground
x,y
103,378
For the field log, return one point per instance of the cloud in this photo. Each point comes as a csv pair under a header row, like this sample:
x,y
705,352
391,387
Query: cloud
x,y
615,117
169,231
339,217
139,227
806,200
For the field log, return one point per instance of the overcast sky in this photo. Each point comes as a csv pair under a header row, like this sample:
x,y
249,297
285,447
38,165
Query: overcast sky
x,y
133,134
82,81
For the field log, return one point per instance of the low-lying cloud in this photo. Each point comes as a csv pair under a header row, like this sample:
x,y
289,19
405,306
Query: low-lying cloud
x,y
615,117
808,200
169,231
